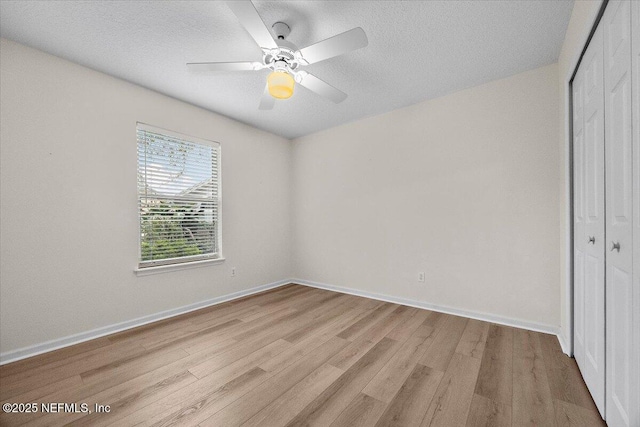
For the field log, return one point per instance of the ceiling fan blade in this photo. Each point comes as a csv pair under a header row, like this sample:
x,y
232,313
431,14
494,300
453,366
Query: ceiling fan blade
x,y
223,66
267,101
322,88
249,18
334,46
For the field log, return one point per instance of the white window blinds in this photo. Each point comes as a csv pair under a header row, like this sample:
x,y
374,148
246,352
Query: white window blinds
x,y
178,197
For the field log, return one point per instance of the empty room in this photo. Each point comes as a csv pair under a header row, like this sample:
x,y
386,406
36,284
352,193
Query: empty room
x,y
320,213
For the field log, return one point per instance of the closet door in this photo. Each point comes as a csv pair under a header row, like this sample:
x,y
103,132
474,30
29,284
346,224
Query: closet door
x,y
619,220
622,340
590,354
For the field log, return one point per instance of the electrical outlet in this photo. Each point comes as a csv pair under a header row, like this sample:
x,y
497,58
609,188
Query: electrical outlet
x,y
421,277
233,272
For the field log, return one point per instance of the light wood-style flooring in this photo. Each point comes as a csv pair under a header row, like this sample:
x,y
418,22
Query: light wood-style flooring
x,y
298,356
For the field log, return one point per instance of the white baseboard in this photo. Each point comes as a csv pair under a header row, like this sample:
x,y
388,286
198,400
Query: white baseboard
x,y
564,343
23,353
517,323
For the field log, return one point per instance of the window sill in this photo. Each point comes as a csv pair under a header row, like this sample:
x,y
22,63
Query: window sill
x,y
146,271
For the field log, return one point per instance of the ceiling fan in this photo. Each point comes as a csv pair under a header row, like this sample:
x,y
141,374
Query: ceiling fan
x,y
284,59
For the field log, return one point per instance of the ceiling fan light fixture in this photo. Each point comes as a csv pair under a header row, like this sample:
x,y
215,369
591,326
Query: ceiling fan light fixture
x,y
280,84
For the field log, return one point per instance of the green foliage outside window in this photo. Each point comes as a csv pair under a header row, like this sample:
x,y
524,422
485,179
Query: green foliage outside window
x,y
171,231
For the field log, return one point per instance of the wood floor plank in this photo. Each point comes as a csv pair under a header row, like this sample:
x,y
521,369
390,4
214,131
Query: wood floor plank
x,y
324,409
487,413
23,382
162,329
56,356
312,298
328,315
361,325
158,337
370,337
363,411
532,401
439,354
207,404
570,415
368,303
403,331
308,344
127,404
410,404
114,389
119,403
189,338
287,295
230,358
319,309
452,401
244,408
252,312
231,333
141,391
133,391
254,307
390,378
161,336
292,320
231,312
210,345
563,374
495,380
320,299
283,409
473,339
213,358
130,368
214,380
436,320
273,296
37,393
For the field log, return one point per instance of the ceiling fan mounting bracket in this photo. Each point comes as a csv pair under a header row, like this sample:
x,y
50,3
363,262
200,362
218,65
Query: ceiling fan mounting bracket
x,y
281,30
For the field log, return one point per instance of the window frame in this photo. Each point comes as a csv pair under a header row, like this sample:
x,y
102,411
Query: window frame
x,y
189,261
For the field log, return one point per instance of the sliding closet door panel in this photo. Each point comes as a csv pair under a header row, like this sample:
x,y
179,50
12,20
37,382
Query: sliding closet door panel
x,y
592,364
622,97
618,76
580,238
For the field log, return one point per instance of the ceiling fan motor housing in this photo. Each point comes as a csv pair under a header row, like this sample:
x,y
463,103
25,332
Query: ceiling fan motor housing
x,y
283,58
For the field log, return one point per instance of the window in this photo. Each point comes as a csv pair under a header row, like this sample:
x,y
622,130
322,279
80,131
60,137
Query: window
x,y
178,197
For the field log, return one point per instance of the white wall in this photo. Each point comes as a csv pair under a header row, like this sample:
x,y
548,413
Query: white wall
x,y
68,232
582,19
464,188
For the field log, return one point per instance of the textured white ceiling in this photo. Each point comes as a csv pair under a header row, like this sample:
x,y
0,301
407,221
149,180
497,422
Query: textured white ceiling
x,y
417,50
